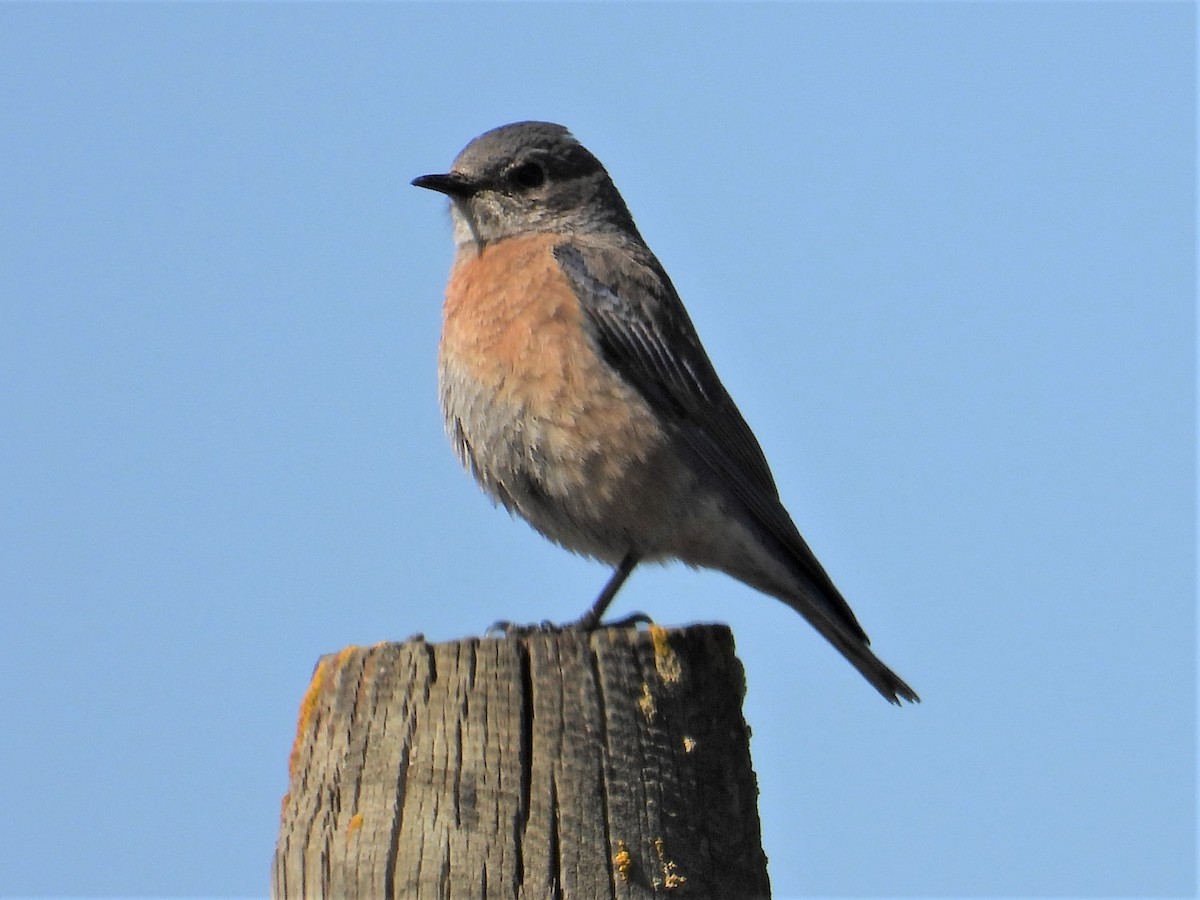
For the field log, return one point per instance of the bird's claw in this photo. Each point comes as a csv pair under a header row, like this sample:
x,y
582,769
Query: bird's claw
x,y
633,619
505,628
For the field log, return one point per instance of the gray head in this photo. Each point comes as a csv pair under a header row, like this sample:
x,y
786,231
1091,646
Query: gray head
x,y
526,178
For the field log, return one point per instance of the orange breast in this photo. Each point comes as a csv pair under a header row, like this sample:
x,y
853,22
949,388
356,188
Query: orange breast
x,y
513,323
525,384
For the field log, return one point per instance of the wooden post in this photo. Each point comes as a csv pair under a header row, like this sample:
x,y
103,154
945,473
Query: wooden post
x,y
614,764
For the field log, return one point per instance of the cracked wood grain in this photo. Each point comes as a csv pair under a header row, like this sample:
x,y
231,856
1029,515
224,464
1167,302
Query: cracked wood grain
x,y
614,765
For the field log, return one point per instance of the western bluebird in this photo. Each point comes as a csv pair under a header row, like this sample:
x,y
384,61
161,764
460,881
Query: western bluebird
x,y
577,393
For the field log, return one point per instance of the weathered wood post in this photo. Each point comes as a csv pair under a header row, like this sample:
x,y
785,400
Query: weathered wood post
x,y
552,765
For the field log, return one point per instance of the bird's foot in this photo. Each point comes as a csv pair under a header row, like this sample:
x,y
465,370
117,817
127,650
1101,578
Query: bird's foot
x,y
589,622
585,623
505,628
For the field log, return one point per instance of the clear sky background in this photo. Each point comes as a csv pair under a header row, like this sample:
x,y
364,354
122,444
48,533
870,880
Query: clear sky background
x,y
943,256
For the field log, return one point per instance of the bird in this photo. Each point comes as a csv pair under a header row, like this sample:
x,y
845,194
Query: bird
x,y
577,393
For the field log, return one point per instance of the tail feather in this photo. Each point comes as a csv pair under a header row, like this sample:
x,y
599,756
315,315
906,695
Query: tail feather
x,y
858,653
812,593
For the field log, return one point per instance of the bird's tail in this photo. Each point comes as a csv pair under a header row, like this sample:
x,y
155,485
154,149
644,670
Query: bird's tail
x,y
804,585
858,652
810,592
813,594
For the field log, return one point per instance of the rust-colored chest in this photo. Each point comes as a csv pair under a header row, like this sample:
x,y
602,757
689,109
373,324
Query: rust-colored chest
x,y
513,326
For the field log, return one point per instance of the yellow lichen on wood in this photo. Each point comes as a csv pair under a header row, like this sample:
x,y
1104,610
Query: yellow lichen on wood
x,y
623,861
671,878
689,744
353,825
646,703
309,702
665,661
344,654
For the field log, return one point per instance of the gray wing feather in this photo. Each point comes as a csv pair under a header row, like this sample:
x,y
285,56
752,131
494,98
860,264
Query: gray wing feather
x,y
645,335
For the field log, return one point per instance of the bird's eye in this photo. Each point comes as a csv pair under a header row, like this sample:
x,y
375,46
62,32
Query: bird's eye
x,y
528,175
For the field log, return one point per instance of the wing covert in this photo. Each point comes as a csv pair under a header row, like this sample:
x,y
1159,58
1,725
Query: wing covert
x,y
645,334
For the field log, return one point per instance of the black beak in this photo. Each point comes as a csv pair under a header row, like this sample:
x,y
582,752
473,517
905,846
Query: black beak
x,y
451,184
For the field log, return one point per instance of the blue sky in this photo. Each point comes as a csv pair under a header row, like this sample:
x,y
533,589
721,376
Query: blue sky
x,y
943,256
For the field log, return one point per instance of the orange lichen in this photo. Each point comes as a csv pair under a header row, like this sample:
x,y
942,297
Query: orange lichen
x,y
623,861
670,670
646,703
344,654
671,878
353,825
308,704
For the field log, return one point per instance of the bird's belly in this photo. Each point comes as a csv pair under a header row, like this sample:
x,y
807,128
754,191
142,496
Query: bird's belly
x,y
546,427
596,473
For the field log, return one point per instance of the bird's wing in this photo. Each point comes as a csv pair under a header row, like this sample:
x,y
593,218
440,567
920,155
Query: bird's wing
x,y
644,333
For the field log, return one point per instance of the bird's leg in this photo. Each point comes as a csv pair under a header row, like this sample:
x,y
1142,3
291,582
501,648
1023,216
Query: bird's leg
x,y
591,619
